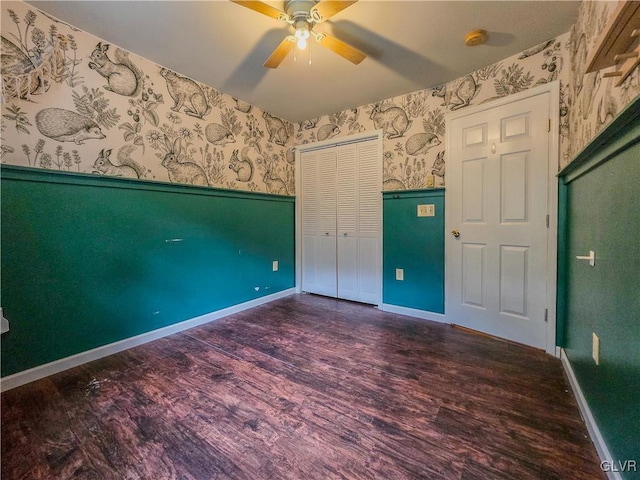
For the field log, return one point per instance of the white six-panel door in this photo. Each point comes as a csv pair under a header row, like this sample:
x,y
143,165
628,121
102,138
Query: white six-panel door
x,y
496,214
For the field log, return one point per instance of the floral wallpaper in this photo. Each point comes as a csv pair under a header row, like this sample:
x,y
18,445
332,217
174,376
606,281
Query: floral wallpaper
x,y
413,125
593,100
75,103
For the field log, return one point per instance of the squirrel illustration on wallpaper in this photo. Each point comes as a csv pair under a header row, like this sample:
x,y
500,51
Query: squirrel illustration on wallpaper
x,y
244,167
127,167
122,76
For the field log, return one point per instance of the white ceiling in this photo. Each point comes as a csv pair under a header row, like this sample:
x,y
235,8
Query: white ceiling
x,y
410,45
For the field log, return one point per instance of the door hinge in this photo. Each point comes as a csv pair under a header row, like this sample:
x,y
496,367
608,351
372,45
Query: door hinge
x,y
547,220
546,315
548,124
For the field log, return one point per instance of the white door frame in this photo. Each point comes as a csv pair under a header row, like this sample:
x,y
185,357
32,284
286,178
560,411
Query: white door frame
x,y
552,196
369,135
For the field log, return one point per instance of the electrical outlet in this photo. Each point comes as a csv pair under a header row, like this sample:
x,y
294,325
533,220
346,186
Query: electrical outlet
x,y
275,265
596,349
399,274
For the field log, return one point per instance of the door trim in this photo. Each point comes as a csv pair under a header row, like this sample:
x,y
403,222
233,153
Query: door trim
x,y
334,142
553,90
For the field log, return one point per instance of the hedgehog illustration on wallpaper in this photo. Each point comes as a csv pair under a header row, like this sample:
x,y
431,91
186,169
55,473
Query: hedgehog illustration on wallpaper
x,y
67,126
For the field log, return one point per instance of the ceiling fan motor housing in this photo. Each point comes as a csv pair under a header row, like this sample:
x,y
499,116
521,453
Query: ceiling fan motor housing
x,y
299,9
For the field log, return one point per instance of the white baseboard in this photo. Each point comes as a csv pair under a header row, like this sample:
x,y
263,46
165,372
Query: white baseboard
x,y
592,426
414,312
42,371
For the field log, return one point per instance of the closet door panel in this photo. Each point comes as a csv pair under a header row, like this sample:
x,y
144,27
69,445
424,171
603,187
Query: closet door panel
x,y
369,192
369,270
325,268
347,221
348,286
319,223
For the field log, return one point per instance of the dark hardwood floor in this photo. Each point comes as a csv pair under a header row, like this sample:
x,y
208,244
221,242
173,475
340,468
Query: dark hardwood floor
x,y
303,388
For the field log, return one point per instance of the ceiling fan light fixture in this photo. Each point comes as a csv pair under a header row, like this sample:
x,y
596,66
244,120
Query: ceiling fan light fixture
x,y
302,35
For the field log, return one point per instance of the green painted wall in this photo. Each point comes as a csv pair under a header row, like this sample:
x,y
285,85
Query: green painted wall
x,y
415,244
603,214
87,261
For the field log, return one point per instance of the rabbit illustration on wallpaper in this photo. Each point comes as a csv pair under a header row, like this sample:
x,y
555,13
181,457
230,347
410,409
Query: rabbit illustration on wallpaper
x,y
274,183
182,172
186,93
393,121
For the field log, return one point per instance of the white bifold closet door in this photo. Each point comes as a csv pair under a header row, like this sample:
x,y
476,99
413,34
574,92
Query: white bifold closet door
x,y
341,219
319,222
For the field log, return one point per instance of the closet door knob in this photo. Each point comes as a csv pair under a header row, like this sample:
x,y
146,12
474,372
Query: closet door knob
x,y
326,233
344,234
455,233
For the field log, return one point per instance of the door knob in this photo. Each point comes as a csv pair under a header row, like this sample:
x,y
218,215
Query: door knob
x,y
344,234
455,233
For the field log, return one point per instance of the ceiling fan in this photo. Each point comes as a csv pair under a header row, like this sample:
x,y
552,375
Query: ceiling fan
x,y
303,15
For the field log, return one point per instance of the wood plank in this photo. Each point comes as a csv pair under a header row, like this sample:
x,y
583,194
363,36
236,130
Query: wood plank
x,y
305,387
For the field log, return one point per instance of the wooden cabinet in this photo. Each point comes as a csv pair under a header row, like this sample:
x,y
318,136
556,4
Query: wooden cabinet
x,y
341,205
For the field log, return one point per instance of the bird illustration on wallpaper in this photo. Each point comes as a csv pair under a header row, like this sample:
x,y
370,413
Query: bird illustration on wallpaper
x,y
459,93
181,172
122,76
276,129
393,121
186,93
67,126
243,167
126,166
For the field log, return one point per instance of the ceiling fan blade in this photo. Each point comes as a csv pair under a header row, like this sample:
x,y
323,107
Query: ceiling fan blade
x,y
280,52
343,49
262,8
328,8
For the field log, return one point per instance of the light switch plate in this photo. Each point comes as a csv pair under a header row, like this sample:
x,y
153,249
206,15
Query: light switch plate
x,y
399,274
275,265
426,210
596,349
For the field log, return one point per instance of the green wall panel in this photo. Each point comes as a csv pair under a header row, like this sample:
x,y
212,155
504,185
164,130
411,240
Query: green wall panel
x,y
89,261
415,244
603,214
